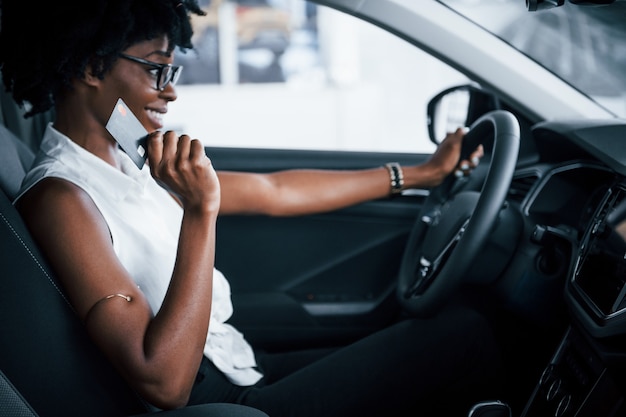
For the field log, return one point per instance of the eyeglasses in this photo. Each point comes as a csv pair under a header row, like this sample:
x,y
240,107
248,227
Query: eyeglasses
x,y
164,74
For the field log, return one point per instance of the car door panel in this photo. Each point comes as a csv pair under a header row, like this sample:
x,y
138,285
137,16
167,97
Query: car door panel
x,y
318,279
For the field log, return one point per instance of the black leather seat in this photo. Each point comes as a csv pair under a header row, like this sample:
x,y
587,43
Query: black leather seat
x,y
15,159
48,364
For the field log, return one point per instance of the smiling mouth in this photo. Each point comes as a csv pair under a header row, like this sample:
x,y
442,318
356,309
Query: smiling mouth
x,y
156,117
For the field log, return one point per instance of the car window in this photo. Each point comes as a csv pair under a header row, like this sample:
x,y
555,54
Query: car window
x,y
291,74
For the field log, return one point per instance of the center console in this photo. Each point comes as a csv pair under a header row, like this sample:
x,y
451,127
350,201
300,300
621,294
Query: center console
x,y
576,382
586,376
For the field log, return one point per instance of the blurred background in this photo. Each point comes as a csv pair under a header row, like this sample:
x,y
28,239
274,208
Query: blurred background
x,y
291,74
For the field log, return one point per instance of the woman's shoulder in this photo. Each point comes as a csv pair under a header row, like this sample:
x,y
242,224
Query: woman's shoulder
x,y
46,176
53,197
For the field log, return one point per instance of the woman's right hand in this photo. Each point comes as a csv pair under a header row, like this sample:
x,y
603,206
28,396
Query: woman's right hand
x,y
180,165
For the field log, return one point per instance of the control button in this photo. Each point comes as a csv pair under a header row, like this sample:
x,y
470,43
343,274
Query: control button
x,y
554,390
563,407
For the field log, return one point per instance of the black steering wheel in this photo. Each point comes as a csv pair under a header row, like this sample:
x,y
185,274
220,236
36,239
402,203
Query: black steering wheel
x,y
454,224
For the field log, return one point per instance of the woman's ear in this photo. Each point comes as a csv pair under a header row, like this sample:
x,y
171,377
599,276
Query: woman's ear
x,y
90,78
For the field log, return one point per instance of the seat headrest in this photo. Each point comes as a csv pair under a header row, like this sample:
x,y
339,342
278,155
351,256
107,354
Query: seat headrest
x,y
15,159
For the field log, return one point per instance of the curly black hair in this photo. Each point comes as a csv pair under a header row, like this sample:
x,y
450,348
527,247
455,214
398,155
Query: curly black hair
x,y
46,44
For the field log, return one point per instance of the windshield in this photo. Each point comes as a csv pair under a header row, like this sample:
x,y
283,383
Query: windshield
x,y
583,45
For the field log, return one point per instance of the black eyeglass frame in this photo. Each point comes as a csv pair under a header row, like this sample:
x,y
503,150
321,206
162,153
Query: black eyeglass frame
x,y
174,70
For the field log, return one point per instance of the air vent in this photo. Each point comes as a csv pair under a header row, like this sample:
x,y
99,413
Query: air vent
x,y
520,186
612,211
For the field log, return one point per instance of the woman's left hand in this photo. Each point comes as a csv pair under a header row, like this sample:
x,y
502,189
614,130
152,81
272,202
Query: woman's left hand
x,y
445,160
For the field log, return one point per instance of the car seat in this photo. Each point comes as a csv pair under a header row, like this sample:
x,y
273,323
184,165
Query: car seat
x,y
48,364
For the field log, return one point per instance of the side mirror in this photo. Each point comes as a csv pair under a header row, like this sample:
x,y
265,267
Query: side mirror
x,y
457,107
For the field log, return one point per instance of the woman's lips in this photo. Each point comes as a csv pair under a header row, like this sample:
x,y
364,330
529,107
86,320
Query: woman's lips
x,y
156,118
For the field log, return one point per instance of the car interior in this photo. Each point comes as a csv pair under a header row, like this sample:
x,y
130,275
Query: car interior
x,y
50,366
547,265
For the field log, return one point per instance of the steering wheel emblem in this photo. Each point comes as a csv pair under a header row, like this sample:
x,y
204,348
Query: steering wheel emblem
x,y
424,267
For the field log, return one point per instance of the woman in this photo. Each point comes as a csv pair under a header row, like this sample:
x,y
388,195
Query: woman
x,y
134,249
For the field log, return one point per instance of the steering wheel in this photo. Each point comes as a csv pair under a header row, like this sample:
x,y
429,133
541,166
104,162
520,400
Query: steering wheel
x,y
454,224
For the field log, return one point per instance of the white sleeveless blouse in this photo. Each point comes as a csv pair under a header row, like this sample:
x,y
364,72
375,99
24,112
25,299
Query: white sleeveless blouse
x,y
144,221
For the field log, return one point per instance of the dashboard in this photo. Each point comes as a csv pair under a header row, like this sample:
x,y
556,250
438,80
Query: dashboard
x,y
587,196
573,202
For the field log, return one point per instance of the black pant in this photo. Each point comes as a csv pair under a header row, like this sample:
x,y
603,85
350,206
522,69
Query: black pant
x,y
434,366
